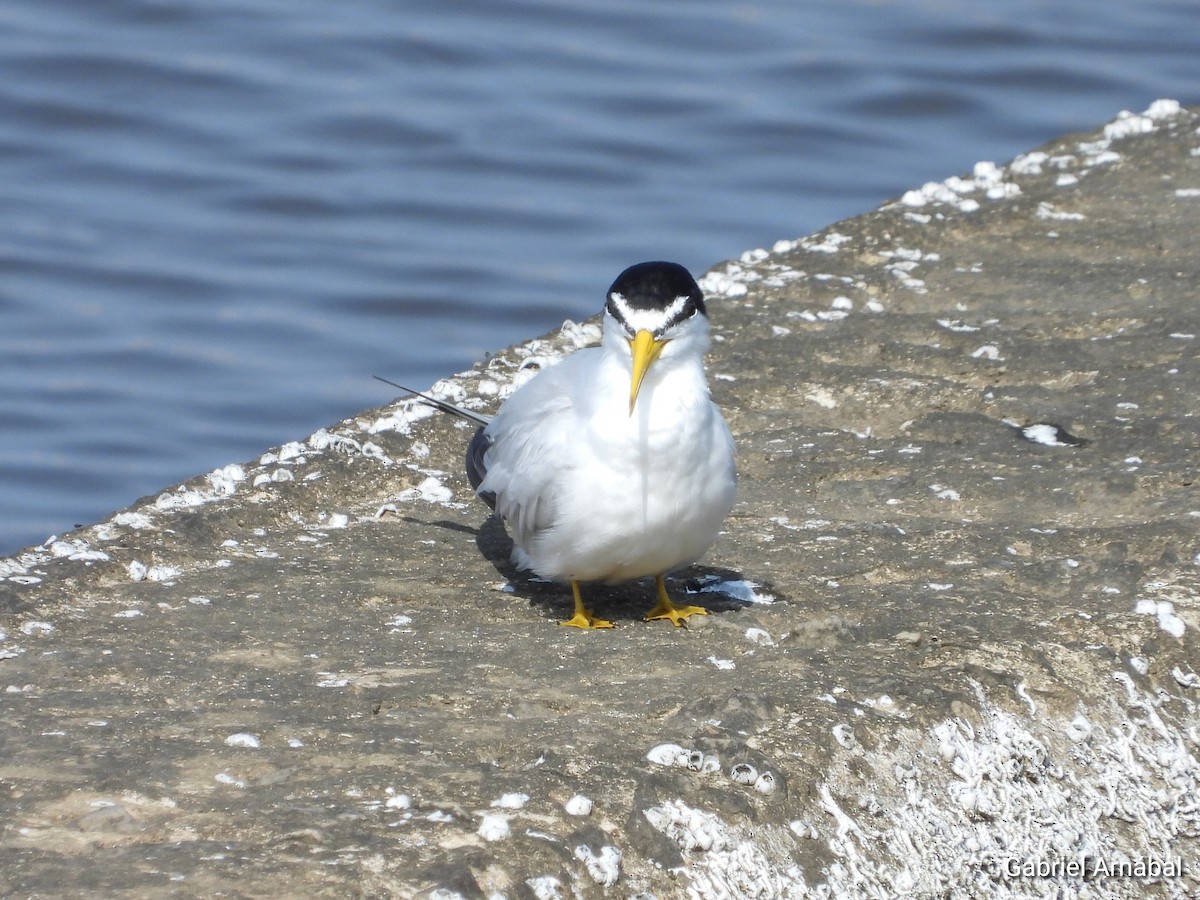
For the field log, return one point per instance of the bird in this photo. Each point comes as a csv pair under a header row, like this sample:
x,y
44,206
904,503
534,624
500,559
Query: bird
x,y
614,464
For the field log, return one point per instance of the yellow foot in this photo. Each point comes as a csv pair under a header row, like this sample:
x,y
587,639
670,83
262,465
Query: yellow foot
x,y
665,609
583,618
677,614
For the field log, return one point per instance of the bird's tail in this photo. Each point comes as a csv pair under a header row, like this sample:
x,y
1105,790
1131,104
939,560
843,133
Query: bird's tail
x,y
465,414
476,463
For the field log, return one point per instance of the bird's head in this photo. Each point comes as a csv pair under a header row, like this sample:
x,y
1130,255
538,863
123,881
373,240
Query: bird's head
x,y
652,305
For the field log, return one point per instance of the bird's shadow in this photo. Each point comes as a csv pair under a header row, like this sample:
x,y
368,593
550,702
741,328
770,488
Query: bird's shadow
x,y
697,585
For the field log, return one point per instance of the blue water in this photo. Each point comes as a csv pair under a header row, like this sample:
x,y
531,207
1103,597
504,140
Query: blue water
x,y
219,218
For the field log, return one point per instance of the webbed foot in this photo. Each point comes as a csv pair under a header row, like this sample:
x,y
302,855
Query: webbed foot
x,y
582,618
665,609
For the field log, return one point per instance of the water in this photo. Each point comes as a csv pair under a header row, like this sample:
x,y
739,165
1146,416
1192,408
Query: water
x,y
219,218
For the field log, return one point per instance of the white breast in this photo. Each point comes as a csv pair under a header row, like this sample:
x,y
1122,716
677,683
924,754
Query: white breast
x,y
622,497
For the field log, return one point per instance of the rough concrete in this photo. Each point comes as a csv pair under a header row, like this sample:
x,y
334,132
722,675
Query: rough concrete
x,y
314,674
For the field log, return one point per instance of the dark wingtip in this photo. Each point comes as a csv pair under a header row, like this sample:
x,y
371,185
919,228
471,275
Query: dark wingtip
x,y
477,466
449,408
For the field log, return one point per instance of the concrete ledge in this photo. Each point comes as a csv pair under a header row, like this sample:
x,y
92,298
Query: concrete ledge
x,y
953,649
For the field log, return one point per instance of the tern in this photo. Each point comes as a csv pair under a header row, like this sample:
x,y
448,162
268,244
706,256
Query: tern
x,y
613,464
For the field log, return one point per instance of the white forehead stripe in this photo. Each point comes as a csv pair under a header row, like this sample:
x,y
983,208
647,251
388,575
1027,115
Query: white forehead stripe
x,y
646,319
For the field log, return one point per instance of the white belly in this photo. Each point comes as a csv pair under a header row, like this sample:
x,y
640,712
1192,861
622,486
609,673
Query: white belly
x,y
644,495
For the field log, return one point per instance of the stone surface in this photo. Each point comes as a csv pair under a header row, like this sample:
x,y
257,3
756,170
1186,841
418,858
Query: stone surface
x,y
954,615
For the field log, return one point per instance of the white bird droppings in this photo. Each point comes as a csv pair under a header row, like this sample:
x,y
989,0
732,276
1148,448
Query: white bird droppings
x,y
430,490
134,520
1164,610
511,801
1048,211
1043,434
822,397
398,801
578,805
1079,729
1185,679
221,483
987,351
77,551
668,755
725,284
738,590
604,867
844,735
829,243
493,827
760,636
545,887
139,571
691,829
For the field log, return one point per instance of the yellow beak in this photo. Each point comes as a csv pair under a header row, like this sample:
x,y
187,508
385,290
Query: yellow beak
x,y
645,351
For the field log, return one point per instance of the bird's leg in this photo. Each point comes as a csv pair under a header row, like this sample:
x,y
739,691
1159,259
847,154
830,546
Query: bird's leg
x,y
583,618
665,609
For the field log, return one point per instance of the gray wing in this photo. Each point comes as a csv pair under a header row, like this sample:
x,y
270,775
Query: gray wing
x,y
522,454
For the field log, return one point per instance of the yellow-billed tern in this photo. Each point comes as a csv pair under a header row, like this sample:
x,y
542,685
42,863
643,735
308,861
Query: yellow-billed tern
x,y
614,464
